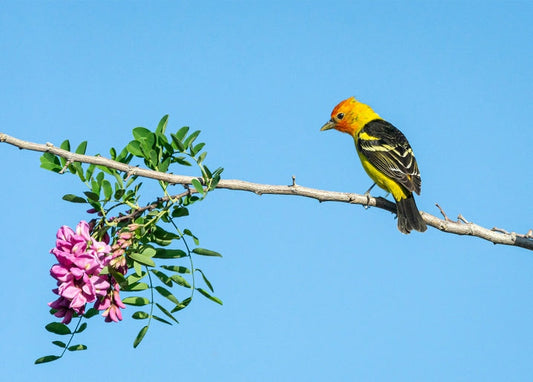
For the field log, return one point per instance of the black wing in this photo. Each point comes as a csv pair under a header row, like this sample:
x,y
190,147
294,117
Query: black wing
x,y
387,149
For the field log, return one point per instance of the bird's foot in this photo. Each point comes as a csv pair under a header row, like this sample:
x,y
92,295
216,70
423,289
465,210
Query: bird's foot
x,y
367,194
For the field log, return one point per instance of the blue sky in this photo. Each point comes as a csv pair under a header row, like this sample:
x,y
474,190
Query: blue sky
x,y
311,291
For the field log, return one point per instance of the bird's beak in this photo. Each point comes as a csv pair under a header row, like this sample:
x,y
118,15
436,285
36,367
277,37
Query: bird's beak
x,y
329,125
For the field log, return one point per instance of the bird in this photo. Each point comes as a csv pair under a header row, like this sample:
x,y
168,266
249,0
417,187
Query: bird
x,y
386,157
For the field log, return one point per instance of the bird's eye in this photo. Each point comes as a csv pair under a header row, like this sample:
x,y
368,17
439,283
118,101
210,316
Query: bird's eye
x,y
340,116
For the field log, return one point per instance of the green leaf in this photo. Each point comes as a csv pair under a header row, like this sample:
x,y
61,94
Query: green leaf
x,y
167,313
218,171
183,162
119,277
119,193
206,172
136,301
163,237
182,305
190,139
212,298
201,157
51,166
74,199
134,147
214,182
77,347
142,259
100,176
113,153
148,251
81,328
140,336
58,328
137,267
196,149
120,182
106,169
50,162
206,252
82,148
178,212
180,134
161,242
163,166
108,189
160,319
90,171
76,166
144,136
176,268
206,281
197,186
162,253
189,233
95,186
135,287
177,143
180,281
166,293
60,344
48,358
91,313
124,156
65,145
92,196
139,315
133,278
162,126
163,234
163,277
154,160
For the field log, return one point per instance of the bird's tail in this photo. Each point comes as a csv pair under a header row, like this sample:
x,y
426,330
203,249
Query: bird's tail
x,y
409,217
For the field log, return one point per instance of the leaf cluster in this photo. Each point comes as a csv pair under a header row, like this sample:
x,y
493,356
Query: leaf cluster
x,y
161,274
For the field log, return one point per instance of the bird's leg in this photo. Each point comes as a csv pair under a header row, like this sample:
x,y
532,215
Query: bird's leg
x,y
367,194
370,189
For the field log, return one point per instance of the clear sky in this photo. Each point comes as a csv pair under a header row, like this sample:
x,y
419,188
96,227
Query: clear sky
x,y
311,291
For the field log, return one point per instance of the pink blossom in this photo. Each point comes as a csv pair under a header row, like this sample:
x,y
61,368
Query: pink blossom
x,y
118,262
60,273
111,306
81,259
61,305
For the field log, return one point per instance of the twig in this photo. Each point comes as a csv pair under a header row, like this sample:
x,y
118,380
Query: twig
x,y
443,213
461,218
446,225
496,229
138,211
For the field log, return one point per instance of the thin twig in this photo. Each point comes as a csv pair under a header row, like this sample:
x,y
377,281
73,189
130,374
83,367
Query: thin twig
x,y
443,213
138,211
462,219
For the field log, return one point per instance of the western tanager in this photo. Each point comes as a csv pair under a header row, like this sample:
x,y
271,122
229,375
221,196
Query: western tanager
x,y
385,155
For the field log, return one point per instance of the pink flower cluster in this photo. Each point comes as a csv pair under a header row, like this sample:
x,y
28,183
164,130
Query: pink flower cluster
x,y
112,303
81,258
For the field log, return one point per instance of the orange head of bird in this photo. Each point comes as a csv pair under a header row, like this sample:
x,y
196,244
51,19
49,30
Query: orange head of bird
x,y
349,116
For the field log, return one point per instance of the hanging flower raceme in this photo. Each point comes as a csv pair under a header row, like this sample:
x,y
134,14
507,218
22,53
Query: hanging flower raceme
x,y
81,258
118,250
111,304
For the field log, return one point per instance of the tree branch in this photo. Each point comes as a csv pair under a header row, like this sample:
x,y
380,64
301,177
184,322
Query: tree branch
x,y
459,227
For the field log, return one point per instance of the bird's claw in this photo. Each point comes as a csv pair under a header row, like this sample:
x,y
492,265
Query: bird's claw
x,y
367,194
